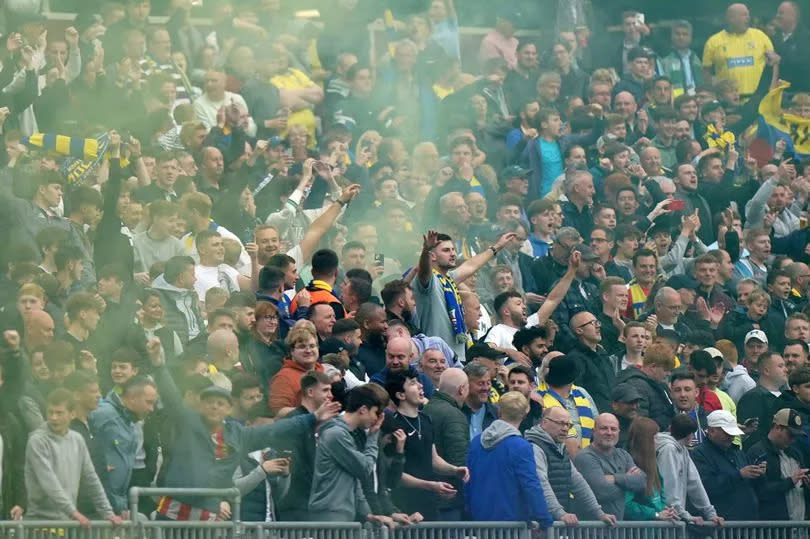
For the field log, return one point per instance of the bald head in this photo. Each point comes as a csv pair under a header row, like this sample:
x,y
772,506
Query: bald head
x,y
451,380
223,348
606,432
398,354
737,18
38,328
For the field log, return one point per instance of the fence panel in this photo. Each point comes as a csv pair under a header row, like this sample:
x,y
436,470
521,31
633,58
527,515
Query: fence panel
x,y
454,530
46,529
624,530
755,530
302,530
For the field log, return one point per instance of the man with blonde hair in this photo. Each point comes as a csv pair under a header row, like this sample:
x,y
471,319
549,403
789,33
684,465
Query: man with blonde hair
x,y
501,461
649,381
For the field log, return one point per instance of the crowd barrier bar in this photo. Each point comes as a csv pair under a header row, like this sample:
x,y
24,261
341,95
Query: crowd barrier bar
x,y
233,529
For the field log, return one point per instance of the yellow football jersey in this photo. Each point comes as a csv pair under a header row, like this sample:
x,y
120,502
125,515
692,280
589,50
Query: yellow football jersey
x,y
739,57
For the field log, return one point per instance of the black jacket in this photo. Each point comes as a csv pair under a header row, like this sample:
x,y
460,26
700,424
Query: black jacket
x,y
772,487
372,355
795,64
757,403
597,374
732,496
546,272
656,402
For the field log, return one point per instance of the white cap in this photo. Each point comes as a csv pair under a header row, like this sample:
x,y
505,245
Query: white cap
x,y
723,419
756,334
714,352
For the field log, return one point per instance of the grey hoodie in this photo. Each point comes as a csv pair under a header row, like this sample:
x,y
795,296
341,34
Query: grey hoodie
x,y
680,479
738,382
182,308
496,433
579,487
55,467
337,493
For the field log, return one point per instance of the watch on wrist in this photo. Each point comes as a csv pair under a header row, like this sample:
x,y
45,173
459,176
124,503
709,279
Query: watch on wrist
x,y
494,250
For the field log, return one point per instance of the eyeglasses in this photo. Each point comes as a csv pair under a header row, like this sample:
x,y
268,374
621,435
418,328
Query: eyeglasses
x,y
566,424
269,318
595,322
599,240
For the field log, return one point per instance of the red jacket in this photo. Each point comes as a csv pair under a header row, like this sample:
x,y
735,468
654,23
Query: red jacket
x,y
285,386
708,400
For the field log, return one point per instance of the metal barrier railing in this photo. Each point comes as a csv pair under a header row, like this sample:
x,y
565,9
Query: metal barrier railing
x,y
458,530
161,529
624,530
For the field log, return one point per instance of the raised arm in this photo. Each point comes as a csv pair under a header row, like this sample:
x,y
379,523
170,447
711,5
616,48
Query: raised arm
x,y
469,267
322,224
559,291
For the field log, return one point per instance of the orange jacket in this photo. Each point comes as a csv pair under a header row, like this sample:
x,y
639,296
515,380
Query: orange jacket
x,y
285,386
321,292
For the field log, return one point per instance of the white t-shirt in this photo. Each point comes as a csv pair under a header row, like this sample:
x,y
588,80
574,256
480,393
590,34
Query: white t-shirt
x,y
208,277
501,336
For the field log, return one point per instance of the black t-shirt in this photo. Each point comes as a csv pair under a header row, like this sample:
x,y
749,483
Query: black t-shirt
x,y
418,463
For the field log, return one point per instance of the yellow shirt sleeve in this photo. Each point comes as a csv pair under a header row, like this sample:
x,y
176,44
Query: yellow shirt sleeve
x,y
708,53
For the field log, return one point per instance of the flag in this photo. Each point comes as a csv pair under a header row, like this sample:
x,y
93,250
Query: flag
x,y
775,124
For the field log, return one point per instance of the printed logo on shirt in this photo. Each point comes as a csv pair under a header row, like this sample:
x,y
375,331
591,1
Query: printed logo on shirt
x,y
740,61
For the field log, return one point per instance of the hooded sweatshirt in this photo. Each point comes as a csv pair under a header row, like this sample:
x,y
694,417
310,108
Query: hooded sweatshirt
x,y
503,480
738,382
337,492
680,478
182,308
55,466
541,442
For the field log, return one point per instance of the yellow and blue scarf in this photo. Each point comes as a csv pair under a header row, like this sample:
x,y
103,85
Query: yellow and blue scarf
x,y
83,155
586,420
453,300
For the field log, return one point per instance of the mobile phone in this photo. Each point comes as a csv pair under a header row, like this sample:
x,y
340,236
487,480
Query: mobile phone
x,y
676,205
760,459
639,19
379,259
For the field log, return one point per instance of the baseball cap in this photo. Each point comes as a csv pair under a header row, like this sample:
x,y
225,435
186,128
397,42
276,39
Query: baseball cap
x,y
682,281
723,419
756,334
714,352
625,393
216,391
485,351
586,252
514,171
335,346
790,418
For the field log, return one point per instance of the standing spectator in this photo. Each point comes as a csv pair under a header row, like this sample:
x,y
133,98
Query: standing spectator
x,y
422,462
57,464
759,402
180,303
339,466
451,431
502,461
679,476
782,490
119,439
739,52
727,476
501,42
479,410
558,476
609,471
682,65
684,395
625,408
521,379
285,387
438,301
316,389
559,390
650,504
597,370
794,59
